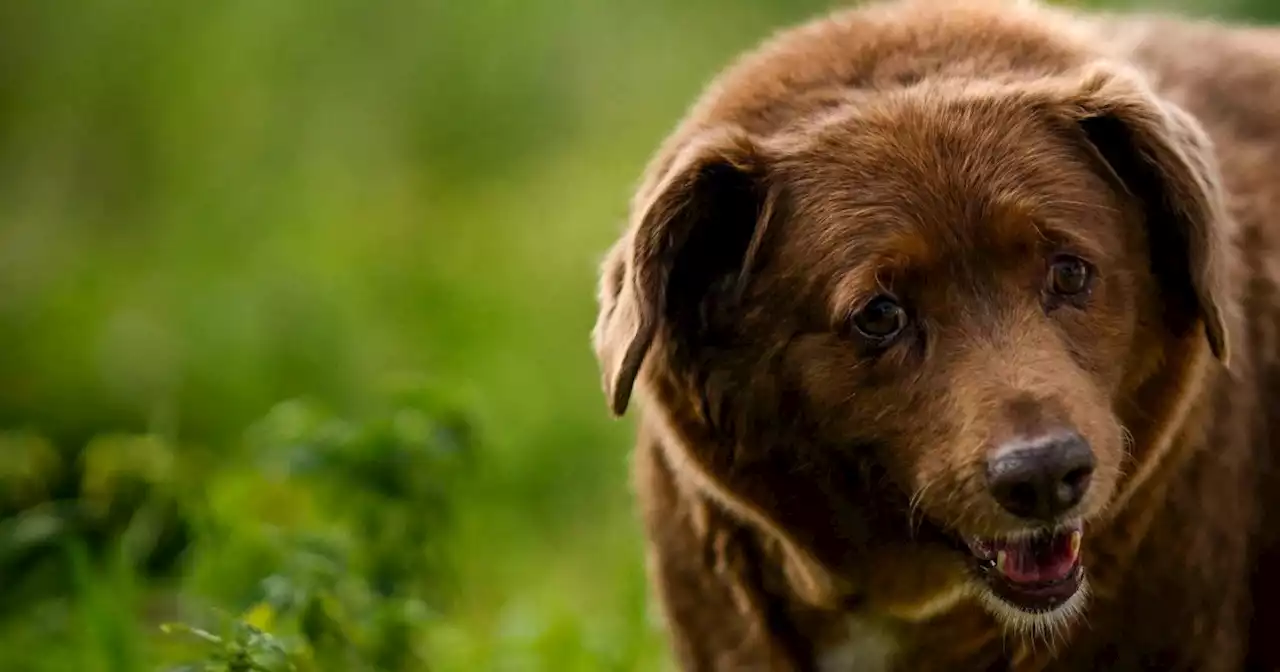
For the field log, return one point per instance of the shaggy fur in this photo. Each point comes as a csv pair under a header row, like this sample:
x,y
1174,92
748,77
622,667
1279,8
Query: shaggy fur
x,y
803,487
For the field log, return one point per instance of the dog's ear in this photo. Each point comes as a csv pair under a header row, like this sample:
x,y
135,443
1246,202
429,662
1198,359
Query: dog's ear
x,y
694,224
1160,154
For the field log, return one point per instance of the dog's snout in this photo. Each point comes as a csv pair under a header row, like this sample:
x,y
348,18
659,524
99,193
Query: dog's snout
x,y
1043,478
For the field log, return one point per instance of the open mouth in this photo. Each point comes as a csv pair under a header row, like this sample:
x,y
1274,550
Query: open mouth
x,y
1036,573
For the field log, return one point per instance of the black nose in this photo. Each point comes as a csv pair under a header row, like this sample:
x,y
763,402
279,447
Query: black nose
x,y
1042,478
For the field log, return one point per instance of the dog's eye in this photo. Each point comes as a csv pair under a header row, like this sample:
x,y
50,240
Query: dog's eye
x,y
1069,276
881,319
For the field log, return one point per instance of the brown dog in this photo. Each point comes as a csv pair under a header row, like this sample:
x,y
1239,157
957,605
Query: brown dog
x,y
956,328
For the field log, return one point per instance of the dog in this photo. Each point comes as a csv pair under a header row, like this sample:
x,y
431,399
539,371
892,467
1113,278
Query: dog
x,y
954,324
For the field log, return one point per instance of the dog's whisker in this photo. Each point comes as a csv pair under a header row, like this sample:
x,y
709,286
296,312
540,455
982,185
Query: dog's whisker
x,y
915,516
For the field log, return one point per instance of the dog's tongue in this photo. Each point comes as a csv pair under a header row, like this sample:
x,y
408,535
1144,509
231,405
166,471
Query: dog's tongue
x,y
1038,560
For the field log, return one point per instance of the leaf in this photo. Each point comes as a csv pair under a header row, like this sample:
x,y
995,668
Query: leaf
x,y
261,616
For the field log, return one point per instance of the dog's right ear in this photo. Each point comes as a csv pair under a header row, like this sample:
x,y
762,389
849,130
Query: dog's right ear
x,y
1160,154
695,222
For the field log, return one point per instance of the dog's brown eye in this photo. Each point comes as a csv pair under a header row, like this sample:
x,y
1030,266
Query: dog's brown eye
x,y
881,319
1069,276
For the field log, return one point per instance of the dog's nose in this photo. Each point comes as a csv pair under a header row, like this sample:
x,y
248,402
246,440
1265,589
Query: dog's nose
x,y
1042,478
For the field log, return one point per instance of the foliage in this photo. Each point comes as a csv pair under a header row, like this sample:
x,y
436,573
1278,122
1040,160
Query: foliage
x,y
350,586
354,593
242,648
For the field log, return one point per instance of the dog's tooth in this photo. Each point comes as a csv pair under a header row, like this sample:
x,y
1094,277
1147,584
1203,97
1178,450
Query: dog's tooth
x,y
1002,562
1076,537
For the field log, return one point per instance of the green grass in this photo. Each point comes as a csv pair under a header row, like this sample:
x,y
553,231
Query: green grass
x,y
207,209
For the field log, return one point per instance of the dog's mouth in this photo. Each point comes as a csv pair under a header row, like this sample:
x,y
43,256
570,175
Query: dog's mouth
x,y
1035,573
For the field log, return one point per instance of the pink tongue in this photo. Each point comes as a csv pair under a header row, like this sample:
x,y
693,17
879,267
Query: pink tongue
x,y
1038,560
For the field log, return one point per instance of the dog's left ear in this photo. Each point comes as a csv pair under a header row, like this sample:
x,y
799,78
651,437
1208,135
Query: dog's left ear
x,y
1160,154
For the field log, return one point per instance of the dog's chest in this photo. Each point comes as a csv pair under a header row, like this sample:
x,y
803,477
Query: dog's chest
x,y
865,646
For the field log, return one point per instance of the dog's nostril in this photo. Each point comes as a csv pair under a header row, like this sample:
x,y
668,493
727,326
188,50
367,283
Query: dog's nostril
x,y
1042,478
1078,477
1020,498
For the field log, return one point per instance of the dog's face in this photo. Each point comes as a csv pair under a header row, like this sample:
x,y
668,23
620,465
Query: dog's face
x,y
905,336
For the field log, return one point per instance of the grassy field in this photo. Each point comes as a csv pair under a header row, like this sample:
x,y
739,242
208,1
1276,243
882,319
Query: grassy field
x,y
295,298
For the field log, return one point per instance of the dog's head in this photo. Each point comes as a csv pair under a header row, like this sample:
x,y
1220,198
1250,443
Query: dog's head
x,y
907,336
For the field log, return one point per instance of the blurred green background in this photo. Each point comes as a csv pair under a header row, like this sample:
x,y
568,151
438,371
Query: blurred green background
x,y
295,298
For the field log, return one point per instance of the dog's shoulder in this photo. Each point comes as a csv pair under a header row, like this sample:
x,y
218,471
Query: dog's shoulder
x,y
1225,74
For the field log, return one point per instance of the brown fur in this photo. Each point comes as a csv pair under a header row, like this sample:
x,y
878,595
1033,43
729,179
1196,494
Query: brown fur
x,y
799,485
